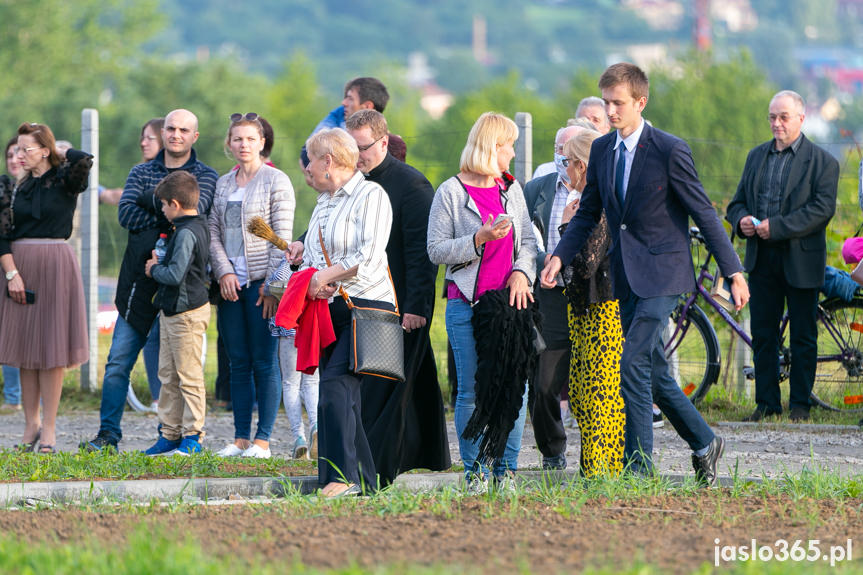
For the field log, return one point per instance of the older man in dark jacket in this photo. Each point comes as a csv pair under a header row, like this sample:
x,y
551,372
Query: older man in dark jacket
x,y
784,201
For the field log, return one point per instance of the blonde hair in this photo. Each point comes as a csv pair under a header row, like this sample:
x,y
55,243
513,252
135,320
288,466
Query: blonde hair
x,y
578,146
337,143
479,155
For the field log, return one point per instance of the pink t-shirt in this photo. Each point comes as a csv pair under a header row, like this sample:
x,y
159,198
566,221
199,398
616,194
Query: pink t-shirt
x,y
497,257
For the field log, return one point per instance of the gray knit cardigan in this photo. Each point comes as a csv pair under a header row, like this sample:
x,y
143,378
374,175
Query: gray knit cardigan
x,y
453,221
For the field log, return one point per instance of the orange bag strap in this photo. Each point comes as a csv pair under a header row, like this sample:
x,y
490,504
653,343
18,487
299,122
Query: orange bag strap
x,y
342,291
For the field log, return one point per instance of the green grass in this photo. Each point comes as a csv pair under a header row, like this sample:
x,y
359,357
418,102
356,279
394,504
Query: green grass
x,y
81,466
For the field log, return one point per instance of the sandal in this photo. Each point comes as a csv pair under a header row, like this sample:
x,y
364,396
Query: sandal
x,y
46,449
31,445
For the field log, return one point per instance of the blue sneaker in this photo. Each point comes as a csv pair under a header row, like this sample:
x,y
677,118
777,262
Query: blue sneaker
x,y
163,446
189,445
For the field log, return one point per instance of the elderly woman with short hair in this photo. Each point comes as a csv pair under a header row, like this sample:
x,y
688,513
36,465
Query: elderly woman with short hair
x,y
353,216
480,229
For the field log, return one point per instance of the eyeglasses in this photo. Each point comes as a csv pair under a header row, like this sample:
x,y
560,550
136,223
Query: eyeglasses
x,y
22,151
784,117
566,161
250,117
364,148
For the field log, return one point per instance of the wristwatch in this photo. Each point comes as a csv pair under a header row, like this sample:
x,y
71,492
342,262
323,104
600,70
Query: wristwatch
x,y
11,274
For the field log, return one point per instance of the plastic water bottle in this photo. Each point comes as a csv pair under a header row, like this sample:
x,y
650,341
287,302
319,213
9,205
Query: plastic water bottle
x,y
161,247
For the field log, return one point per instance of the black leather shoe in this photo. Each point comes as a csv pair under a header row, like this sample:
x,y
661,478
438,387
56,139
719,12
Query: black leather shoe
x,y
705,465
799,414
554,462
758,415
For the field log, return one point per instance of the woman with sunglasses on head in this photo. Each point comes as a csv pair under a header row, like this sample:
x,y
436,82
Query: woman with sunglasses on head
x,y
241,263
44,327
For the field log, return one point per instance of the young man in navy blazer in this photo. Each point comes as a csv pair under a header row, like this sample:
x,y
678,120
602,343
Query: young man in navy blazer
x,y
646,182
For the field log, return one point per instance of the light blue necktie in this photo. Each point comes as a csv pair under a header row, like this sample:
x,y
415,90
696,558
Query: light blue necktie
x,y
618,173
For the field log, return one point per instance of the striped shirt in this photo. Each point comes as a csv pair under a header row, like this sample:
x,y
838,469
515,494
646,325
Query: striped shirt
x,y
775,179
355,221
139,210
282,273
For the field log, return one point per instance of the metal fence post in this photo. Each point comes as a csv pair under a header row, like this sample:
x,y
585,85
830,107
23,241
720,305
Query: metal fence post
x,y
88,204
743,357
524,147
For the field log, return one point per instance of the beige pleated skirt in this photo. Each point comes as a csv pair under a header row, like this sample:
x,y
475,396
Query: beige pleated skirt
x,y
52,332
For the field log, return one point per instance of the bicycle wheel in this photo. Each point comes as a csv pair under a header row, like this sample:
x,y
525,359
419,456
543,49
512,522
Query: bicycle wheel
x,y
839,374
692,350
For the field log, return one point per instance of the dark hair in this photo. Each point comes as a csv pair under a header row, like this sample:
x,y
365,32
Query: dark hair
x,y
629,74
370,89
181,186
269,138
397,147
12,142
44,137
156,124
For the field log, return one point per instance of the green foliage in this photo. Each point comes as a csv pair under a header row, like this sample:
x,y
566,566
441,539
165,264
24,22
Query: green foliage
x,y
719,108
58,57
67,466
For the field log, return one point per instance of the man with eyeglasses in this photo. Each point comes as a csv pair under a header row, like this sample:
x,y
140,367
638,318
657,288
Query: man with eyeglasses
x,y
140,212
404,423
364,93
784,201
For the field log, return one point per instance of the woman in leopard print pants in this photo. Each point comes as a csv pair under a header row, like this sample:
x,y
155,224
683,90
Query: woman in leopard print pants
x,y
597,338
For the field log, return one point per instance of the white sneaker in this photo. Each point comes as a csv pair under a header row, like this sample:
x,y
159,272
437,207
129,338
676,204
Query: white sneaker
x,y
477,485
257,452
230,450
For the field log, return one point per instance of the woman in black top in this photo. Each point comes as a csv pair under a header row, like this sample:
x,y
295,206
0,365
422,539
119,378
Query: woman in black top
x,y
42,320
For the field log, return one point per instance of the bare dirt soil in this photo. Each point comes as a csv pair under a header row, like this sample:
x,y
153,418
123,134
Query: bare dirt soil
x,y
675,534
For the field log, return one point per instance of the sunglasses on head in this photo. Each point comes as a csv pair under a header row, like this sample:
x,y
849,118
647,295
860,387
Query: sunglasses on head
x,y
250,117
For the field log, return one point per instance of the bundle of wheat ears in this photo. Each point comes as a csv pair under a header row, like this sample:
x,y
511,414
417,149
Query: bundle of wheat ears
x,y
262,229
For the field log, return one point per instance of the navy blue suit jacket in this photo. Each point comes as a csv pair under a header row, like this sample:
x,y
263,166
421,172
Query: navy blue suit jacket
x,y
650,231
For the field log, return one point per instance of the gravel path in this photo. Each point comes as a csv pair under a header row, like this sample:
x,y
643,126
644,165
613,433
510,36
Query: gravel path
x,y
756,450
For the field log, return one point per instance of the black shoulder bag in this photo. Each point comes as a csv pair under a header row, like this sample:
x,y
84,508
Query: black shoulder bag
x,y
377,337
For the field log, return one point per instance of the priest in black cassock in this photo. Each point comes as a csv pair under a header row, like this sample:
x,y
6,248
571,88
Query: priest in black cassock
x,y
404,422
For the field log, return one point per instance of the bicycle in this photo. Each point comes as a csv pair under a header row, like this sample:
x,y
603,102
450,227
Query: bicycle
x,y
695,361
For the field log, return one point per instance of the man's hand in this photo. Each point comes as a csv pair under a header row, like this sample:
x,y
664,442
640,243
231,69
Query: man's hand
x,y
547,277
294,253
747,226
411,321
739,291
763,229
154,259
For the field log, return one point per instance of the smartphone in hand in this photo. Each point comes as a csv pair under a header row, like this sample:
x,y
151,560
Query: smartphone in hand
x,y
503,217
29,295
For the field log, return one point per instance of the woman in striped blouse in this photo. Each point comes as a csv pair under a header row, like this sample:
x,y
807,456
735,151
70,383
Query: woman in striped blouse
x,y
354,217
